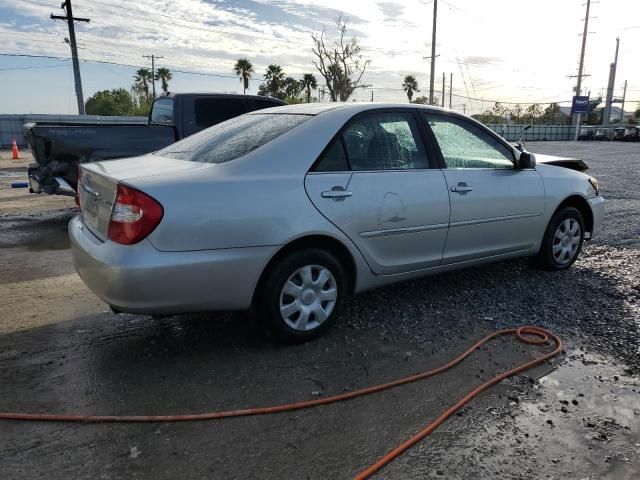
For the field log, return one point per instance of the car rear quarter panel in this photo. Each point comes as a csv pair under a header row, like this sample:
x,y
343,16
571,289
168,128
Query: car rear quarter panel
x,y
234,212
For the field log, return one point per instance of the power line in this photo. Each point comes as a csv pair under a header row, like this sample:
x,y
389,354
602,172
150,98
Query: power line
x,y
28,68
116,63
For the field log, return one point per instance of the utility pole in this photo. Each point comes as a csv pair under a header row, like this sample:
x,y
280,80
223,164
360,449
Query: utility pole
x,y
153,71
624,97
433,51
581,65
606,119
443,92
66,5
450,88
372,95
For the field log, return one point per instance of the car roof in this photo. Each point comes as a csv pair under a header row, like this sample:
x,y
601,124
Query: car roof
x,y
352,107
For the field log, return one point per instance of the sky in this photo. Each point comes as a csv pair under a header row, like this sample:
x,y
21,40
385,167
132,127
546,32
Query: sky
x,y
506,50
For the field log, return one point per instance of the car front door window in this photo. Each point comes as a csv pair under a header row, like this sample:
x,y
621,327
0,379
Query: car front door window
x,y
463,145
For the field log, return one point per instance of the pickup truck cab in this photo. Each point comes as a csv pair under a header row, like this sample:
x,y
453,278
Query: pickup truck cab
x,y
58,148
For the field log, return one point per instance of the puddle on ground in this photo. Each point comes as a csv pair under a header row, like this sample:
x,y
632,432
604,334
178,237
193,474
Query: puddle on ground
x,y
588,414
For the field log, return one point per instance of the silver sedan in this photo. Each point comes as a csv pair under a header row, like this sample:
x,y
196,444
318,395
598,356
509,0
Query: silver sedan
x,y
289,210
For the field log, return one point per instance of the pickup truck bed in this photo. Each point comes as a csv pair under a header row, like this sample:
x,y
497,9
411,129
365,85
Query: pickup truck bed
x,y
60,148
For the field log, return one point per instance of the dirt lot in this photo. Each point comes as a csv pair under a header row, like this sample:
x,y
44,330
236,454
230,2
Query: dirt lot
x,y
62,351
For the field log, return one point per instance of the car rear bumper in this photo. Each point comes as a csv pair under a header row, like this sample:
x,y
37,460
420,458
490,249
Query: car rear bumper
x,y
597,208
140,279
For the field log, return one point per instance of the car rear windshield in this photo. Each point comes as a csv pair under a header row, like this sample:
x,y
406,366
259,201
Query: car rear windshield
x,y
232,139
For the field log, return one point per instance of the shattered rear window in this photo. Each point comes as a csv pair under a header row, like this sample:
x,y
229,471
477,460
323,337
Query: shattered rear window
x,y
232,139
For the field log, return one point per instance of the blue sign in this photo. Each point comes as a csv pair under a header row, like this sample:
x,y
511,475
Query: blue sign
x,y
580,104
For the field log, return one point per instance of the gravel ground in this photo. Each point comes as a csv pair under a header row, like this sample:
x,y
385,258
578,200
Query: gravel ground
x,y
578,417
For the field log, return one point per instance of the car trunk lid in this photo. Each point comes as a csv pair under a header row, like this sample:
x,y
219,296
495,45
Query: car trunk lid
x,y
98,184
96,194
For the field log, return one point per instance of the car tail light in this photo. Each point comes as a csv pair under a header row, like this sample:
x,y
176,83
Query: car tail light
x,y
134,216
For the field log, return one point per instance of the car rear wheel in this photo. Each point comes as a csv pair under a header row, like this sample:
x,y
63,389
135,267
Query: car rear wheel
x,y
562,240
302,295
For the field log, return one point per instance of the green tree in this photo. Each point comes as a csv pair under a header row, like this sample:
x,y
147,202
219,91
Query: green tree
x,y
308,83
516,113
423,100
142,101
501,112
488,118
291,87
340,63
142,78
532,113
410,85
164,75
274,82
552,114
244,69
110,102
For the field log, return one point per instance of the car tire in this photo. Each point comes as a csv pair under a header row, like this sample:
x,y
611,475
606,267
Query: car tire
x,y
562,241
301,296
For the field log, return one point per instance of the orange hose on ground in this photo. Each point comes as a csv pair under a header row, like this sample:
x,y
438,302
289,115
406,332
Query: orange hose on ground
x,y
526,334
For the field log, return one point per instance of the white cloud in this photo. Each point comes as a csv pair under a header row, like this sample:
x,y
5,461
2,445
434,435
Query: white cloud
x,y
511,50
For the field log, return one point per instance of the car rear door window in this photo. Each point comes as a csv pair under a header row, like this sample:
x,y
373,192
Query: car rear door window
x,y
211,111
464,145
333,159
384,141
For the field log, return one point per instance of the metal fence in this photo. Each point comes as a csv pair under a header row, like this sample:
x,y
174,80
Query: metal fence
x,y
11,124
512,133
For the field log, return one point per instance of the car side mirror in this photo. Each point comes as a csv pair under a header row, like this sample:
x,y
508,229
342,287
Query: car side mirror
x,y
526,160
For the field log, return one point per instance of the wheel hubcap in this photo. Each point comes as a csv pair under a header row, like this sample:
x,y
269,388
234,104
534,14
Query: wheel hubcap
x,y
566,241
308,297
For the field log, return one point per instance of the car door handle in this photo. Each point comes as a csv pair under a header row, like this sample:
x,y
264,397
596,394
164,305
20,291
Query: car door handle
x,y
460,188
336,194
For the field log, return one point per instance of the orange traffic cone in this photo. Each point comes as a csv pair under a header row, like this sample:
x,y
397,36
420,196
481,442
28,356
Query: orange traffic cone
x,y
15,155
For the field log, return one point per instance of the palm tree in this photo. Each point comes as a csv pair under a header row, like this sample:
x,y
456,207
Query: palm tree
x,y
292,88
410,86
309,83
164,75
274,77
243,68
142,79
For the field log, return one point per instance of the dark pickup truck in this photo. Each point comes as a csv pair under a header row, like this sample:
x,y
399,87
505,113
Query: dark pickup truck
x,y
58,148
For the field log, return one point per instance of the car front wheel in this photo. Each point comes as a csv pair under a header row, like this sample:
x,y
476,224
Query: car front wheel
x,y
302,295
562,240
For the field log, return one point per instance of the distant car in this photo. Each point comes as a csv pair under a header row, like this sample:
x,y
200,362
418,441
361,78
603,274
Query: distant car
x,y
586,134
602,134
632,134
619,133
289,210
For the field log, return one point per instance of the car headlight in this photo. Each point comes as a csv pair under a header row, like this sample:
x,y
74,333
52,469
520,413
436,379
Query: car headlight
x,y
594,184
